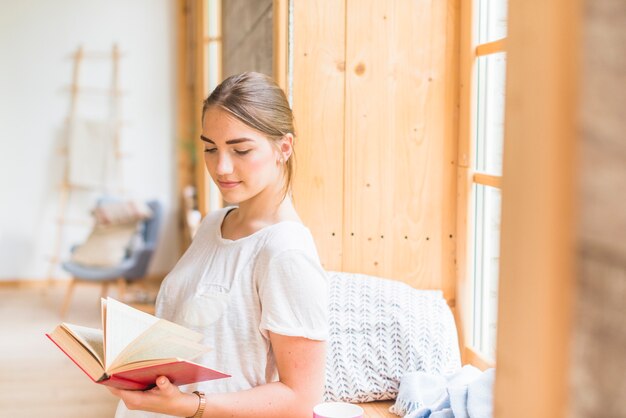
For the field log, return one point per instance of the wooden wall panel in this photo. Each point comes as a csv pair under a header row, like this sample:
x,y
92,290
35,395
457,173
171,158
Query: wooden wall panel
x,y
318,103
400,142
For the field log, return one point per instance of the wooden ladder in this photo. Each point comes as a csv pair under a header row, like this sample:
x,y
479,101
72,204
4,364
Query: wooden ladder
x,y
114,94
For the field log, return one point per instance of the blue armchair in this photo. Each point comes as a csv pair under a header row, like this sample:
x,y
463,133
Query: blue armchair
x,y
132,268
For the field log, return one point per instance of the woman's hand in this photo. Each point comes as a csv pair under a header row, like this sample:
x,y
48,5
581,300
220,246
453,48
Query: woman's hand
x,y
165,398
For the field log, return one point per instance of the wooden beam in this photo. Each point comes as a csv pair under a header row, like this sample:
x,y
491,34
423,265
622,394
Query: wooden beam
x,y
537,250
184,119
464,162
280,14
471,356
491,48
487,180
198,18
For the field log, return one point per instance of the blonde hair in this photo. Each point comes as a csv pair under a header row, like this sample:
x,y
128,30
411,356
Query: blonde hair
x,y
257,101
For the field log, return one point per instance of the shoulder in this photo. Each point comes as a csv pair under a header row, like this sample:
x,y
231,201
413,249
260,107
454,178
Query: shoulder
x,y
289,236
212,220
289,261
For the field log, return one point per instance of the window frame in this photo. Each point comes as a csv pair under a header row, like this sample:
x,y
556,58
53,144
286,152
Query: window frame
x,y
468,176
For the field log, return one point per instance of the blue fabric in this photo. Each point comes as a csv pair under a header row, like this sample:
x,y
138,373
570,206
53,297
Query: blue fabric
x,y
480,395
467,393
458,401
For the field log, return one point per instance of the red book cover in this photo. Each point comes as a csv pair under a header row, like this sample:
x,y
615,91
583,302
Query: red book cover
x,y
179,372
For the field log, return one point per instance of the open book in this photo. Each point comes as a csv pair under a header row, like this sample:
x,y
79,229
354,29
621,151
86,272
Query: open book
x,y
133,349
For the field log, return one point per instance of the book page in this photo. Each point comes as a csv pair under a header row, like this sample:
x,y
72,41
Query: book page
x,y
103,314
90,338
178,330
123,325
142,363
77,352
161,341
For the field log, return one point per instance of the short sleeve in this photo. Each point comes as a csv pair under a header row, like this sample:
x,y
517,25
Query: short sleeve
x,y
293,290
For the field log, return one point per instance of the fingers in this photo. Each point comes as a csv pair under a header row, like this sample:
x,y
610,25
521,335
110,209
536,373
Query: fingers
x,y
163,398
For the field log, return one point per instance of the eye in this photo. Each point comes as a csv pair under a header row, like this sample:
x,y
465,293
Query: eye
x,y
242,152
210,150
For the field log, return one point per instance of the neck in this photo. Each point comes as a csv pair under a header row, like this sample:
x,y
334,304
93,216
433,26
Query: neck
x,y
266,208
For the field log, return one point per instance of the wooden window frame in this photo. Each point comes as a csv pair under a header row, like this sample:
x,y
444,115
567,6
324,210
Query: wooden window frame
x,y
468,177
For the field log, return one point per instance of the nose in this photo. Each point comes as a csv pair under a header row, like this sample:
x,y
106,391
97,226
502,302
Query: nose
x,y
224,164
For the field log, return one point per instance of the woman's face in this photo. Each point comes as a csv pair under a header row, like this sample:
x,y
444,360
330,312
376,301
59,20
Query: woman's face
x,y
241,161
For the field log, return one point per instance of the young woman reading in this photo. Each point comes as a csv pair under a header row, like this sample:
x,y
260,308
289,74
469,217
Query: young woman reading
x,y
251,281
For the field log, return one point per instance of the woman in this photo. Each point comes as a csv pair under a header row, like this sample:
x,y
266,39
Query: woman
x,y
251,281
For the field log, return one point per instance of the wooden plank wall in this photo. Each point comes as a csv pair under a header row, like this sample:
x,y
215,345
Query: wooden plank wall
x,y
375,102
319,106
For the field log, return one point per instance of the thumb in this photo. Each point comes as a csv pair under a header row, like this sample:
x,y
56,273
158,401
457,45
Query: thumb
x,y
163,382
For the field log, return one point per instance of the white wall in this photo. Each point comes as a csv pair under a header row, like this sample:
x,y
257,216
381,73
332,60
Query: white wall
x,y
36,40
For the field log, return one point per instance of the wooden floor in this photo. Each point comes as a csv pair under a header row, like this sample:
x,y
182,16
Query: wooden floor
x,y
36,379
377,409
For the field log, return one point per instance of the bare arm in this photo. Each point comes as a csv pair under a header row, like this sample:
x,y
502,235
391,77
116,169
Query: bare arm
x,y
300,365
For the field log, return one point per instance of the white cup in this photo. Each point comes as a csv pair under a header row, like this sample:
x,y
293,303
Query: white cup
x,y
337,410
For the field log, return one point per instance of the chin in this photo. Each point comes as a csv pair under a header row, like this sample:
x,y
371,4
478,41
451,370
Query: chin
x,y
237,197
234,197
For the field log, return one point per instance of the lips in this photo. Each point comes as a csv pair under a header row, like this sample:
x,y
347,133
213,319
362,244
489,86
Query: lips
x,y
228,184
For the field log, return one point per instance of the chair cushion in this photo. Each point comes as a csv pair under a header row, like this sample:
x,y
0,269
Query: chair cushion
x,y
106,246
121,212
380,330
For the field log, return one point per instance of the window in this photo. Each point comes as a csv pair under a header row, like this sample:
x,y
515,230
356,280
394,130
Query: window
x,y
484,106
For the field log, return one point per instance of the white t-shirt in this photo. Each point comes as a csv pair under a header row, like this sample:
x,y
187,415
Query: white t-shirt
x,y
235,291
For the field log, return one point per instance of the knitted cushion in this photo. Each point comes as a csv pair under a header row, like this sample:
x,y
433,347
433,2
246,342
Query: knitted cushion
x,y
380,330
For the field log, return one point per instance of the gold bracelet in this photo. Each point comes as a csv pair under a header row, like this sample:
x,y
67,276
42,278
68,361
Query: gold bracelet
x,y
201,405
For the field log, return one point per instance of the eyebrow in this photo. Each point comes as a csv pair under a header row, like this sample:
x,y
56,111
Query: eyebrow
x,y
229,142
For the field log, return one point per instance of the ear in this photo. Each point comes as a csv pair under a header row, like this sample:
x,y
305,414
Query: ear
x,y
286,147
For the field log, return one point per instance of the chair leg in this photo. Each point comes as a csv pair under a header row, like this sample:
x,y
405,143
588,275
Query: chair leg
x,y
105,290
121,288
68,297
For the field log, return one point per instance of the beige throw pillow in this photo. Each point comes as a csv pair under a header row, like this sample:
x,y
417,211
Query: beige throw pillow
x,y
121,212
106,245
